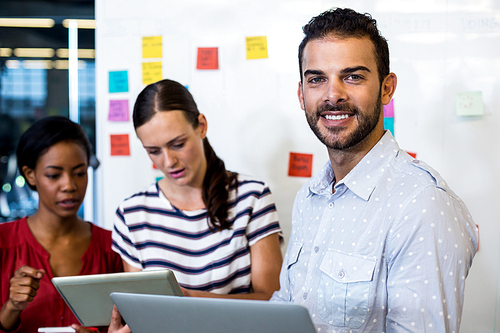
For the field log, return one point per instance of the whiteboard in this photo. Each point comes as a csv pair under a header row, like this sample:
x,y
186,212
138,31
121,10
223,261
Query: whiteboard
x,y
438,49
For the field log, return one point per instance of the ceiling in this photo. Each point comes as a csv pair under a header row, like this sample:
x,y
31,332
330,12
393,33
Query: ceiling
x,y
55,37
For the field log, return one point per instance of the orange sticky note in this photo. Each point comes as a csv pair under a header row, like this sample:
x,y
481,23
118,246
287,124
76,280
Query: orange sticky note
x,y
414,155
119,145
208,58
300,165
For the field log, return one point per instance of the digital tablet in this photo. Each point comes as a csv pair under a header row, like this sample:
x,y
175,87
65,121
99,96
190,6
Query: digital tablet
x,y
88,295
154,313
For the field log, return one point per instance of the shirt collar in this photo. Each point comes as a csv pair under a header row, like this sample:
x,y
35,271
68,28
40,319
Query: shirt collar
x,y
365,176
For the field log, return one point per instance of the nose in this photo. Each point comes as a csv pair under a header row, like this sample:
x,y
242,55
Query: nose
x,y
170,158
68,183
335,92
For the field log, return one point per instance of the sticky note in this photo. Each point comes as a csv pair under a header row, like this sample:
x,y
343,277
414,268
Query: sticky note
x,y
300,165
389,124
208,58
119,145
151,72
257,47
118,110
469,103
118,81
389,109
414,155
152,47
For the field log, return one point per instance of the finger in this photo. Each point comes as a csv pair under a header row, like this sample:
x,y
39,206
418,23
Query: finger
x,y
25,282
30,272
116,320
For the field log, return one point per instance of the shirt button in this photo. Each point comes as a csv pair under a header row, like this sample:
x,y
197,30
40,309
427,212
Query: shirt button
x,y
341,274
304,296
331,205
316,249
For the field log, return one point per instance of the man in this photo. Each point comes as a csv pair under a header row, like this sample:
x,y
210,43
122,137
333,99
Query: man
x,y
379,242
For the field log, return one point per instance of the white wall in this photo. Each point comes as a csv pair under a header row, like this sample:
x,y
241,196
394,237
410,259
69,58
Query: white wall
x,y
437,48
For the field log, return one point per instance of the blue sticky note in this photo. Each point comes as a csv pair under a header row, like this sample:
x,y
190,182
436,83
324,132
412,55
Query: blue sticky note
x,y
389,124
118,81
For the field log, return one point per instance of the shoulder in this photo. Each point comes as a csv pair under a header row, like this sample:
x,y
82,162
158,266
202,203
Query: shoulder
x,y
424,174
148,193
7,229
247,185
101,237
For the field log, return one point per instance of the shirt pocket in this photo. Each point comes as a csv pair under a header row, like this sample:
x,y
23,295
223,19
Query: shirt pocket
x,y
344,287
293,257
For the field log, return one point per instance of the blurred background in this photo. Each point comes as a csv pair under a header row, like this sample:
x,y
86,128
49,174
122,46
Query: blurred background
x,y
35,81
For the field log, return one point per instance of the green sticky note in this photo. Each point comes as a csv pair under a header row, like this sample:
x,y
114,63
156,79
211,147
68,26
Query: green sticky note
x,y
469,103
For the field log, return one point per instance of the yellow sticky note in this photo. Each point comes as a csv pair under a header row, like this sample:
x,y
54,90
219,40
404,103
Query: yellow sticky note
x,y
257,47
151,72
469,103
152,47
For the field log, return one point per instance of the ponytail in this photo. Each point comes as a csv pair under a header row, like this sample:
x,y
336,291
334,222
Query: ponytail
x,y
215,191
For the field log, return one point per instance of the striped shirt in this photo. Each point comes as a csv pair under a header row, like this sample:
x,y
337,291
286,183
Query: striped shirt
x,y
149,233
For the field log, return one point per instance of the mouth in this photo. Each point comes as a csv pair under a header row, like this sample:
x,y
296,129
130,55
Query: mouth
x,y
177,173
336,117
69,203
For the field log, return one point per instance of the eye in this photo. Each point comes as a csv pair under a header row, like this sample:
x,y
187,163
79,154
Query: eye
x,y
315,79
354,77
153,151
81,173
52,175
178,144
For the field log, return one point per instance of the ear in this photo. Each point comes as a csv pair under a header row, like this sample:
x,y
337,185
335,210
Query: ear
x,y
29,174
202,125
388,88
300,93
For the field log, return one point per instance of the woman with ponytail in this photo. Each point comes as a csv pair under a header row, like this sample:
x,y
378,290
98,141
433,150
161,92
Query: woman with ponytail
x,y
217,230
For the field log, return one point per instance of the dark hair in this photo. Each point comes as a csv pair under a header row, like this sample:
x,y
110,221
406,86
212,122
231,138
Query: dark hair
x,y
346,23
45,133
168,95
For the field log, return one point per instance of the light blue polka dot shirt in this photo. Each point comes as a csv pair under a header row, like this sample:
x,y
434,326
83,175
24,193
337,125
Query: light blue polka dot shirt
x,y
388,251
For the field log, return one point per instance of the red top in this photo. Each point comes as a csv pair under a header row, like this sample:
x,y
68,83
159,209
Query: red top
x,y
19,247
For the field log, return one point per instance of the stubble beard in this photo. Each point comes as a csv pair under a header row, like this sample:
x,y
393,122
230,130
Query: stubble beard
x,y
367,121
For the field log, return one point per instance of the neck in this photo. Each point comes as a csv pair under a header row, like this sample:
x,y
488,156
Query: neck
x,y
343,161
182,197
44,223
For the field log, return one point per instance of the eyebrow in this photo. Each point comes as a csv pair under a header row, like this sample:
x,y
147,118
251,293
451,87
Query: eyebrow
x,y
180,137
60,168
347,70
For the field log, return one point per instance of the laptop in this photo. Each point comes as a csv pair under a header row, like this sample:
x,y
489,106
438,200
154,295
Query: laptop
x,y
154,313
88,295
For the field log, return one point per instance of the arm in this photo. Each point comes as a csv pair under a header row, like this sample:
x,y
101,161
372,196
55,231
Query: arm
x,y
265,257
23,287
428,259
128,268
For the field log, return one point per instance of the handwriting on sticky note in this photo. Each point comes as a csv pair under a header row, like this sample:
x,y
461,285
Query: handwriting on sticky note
x,y
119,145
389,109
300,165
257,47
469,103
151,72
118,110
118,81
208,58
152,47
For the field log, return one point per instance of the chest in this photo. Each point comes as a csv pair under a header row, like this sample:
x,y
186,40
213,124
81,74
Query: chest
x,y
65,256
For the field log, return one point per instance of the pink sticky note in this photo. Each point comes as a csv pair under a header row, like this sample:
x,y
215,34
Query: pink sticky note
x,y
389,109
118,110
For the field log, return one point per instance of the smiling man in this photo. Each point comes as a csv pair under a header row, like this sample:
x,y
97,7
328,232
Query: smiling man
x,y
379,242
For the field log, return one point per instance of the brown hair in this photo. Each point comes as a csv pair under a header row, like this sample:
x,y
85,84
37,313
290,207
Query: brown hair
x,y
168,95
